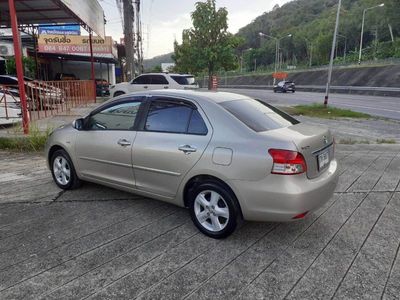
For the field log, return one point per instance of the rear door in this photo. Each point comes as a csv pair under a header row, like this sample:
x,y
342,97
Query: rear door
x,y
172,139
158,82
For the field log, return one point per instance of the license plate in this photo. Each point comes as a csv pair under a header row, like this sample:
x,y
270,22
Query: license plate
x,y
323,160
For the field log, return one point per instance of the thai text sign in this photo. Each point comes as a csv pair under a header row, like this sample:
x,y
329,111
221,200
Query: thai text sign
x,y
67,29
69,44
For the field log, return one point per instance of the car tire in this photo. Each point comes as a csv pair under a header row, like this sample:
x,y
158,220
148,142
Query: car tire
x,y
214,209
63,171
119,93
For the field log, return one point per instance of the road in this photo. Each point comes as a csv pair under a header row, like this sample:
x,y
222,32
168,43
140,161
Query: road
x,y
387,107
100,243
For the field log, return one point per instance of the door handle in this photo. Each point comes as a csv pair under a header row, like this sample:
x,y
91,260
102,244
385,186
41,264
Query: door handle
x,y
145,87
165,87
124,142
187,149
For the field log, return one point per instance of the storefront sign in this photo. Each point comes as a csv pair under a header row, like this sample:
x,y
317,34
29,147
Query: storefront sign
x,y
61,29
69,44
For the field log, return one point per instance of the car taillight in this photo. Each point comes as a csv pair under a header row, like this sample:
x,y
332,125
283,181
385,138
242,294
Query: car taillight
x,y
287,162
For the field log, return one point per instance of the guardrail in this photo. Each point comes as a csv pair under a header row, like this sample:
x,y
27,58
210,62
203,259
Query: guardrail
x,y
386,91
47,98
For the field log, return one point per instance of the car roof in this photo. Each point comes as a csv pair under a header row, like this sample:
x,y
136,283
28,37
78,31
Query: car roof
x,y
166,73
197,95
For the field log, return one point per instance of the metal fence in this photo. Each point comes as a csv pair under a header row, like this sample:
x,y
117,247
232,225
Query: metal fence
x,y
10,109
47,98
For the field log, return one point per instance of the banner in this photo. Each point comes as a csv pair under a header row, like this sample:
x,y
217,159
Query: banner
x,y
60,29
71,44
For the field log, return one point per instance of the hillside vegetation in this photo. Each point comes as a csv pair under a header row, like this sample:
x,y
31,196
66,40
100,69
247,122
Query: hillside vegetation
x,y
152,63
311,24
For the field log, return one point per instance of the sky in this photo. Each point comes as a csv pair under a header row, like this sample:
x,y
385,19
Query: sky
x,y
164,20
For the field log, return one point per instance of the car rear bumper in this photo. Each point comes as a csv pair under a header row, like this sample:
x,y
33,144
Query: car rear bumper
x,y
281,197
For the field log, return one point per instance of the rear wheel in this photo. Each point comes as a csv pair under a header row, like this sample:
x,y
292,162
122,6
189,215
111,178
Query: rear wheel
x,y
213,209
63,171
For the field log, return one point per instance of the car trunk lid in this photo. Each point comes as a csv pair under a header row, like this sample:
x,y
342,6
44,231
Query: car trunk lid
x,y
314,143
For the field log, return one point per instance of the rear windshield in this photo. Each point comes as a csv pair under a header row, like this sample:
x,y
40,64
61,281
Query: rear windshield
x,y
184,80
257,115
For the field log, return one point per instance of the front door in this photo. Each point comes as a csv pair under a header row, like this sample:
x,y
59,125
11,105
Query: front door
x,y
172,140
104,147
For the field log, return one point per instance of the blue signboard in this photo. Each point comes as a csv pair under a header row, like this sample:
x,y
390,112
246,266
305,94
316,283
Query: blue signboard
x,y
60,29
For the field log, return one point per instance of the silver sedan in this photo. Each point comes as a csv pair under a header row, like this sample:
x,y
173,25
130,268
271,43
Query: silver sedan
x,y
225,156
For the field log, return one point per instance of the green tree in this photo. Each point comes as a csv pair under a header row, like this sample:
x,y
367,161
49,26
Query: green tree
x,y
207,45
156,69
28,63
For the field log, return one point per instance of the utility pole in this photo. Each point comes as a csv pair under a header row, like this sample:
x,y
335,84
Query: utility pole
x,y
129,17
328,84
138,45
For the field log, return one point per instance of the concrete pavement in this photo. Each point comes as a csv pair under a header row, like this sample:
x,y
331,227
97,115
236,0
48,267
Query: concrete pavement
x,y
99,243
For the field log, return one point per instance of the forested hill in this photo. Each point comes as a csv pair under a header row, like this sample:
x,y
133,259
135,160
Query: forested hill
x,y
311,23
151,63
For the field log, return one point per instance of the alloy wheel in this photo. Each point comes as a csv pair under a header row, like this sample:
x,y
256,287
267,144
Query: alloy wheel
x,y
211,210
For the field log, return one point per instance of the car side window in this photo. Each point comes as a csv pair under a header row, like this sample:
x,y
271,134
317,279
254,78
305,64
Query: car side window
x,y
143,79
158,79
196,124
174,117
118,117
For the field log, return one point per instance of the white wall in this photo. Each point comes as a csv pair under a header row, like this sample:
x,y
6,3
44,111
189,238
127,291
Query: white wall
x,y
82,69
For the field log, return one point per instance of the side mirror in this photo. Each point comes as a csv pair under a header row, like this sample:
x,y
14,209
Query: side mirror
x,y
78,124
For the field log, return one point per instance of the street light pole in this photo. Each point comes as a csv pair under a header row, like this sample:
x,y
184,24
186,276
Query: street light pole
x,y
309,45
241,59
277,40
345,46
328,84
362,28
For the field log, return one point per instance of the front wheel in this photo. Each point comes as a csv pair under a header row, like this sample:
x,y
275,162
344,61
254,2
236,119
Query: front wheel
x,y
119,93
63,171
213,209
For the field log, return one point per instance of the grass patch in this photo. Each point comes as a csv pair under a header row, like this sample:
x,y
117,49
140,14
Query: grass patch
x,y
386,141
350,141
320,111
34,142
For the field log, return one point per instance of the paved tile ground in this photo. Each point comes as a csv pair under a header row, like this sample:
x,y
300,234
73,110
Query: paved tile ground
x,y
99,243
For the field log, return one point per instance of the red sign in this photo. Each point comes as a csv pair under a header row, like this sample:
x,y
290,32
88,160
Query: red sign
x,y
280,75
